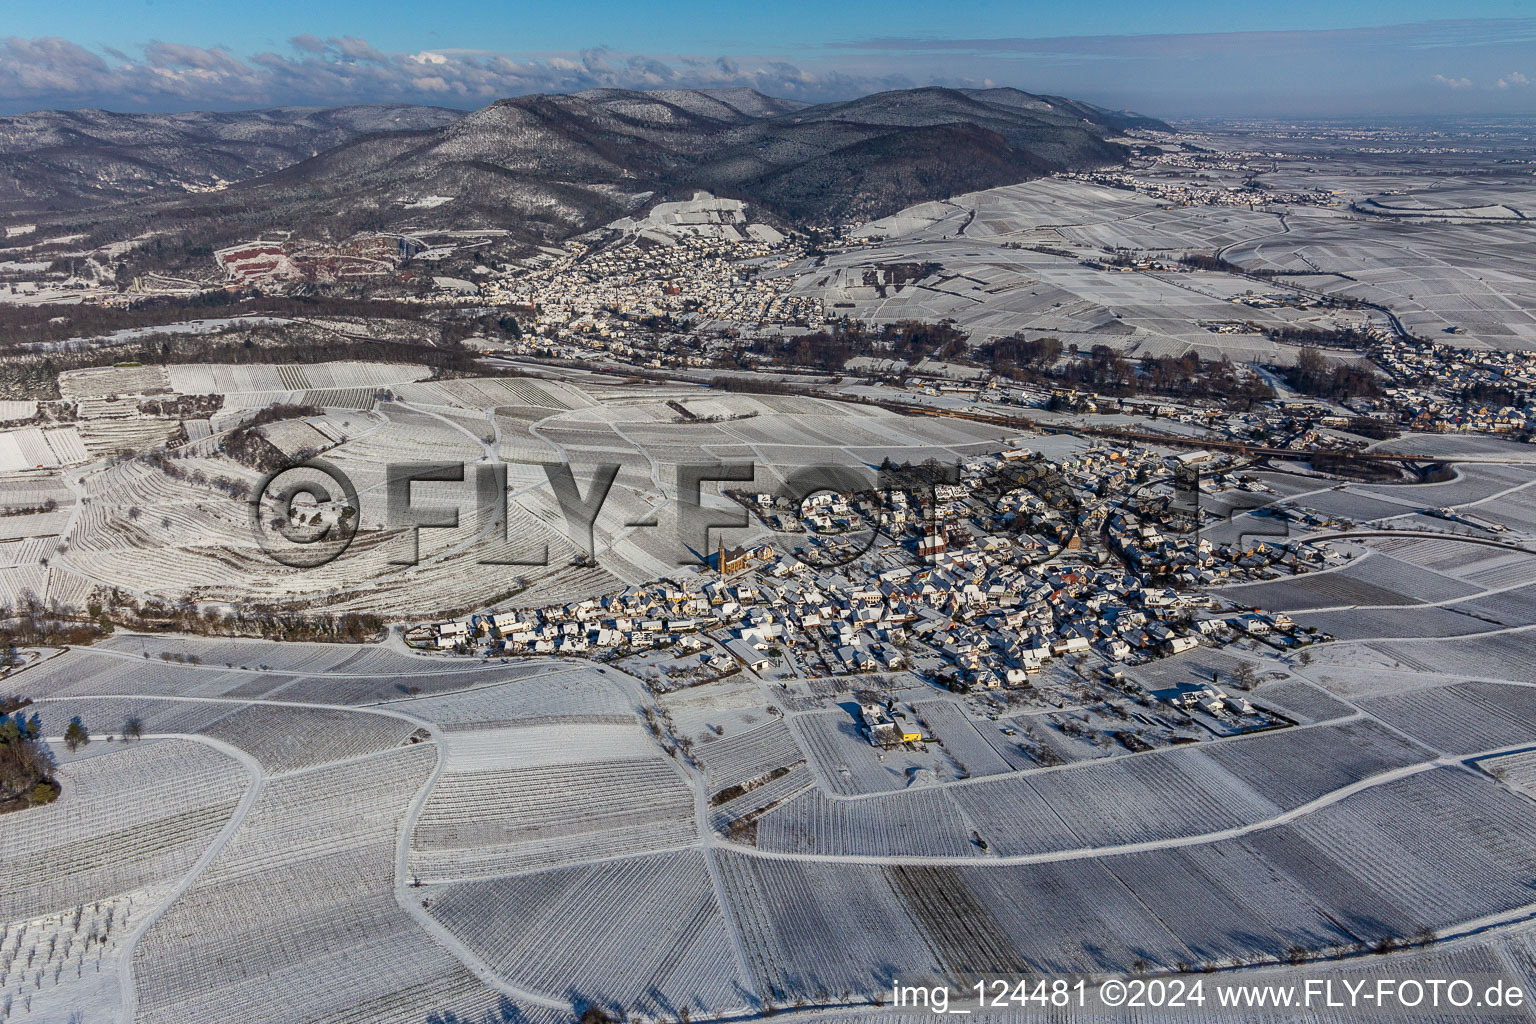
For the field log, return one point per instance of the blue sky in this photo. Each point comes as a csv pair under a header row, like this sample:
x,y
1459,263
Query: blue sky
x,y
1175,59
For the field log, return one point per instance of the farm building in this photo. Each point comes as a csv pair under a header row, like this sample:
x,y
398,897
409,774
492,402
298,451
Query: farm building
x,y
748,655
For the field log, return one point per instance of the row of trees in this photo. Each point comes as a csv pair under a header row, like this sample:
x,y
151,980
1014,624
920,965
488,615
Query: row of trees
x,y
829,350
77,736
32,360
168,463
1108,371
1201,261
33,624
270,622
1330,337
1017,357
21,325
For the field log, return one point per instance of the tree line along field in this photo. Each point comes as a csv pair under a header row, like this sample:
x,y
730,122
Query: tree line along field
x,y
294,837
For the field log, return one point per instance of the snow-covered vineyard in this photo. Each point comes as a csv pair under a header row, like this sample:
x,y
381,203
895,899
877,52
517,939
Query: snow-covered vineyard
x,y
300,836
140,481
699,824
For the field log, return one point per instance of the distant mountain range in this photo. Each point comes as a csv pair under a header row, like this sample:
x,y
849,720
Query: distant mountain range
x,y
69,159
543,166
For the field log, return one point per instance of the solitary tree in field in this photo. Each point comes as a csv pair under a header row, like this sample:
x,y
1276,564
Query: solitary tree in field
x,y
77,735
1243,676
133,727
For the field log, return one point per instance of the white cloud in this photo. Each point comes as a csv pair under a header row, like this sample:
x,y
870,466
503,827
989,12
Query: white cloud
x,y
356,49
179,55
1283,72
347,69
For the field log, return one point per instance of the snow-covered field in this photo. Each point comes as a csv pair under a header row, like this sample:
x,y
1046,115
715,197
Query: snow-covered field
x,y
297,839
1010,260
167,534
361,833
